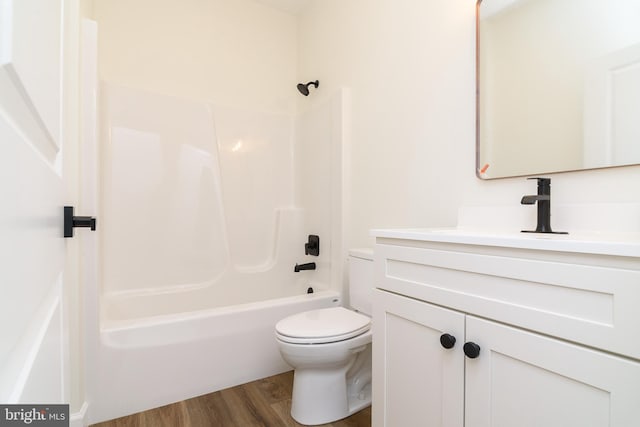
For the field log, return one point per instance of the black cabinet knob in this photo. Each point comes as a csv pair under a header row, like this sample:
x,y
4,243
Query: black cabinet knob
x,y
447,340
471,350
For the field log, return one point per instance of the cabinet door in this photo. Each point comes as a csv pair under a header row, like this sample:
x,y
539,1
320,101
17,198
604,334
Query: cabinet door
x,y
416,381
528,380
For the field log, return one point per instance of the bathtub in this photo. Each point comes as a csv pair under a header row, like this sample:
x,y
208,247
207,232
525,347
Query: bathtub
x,y
146,362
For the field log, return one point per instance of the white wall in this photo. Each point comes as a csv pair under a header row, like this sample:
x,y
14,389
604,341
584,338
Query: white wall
x,y
236,53
411,67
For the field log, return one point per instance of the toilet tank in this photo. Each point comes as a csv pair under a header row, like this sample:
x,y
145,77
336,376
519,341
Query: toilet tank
x,y
361,279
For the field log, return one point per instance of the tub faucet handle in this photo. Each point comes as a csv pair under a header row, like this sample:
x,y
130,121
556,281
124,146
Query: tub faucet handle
x,y
312,247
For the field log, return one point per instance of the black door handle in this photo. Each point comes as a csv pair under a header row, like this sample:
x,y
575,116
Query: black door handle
x,y
71,221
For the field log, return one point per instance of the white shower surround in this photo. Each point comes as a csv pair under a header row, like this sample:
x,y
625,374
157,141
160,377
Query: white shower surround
x,y
194,194
188,317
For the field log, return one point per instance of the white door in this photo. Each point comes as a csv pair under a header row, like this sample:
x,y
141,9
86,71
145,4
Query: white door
x,y
416,381
528,380
33,349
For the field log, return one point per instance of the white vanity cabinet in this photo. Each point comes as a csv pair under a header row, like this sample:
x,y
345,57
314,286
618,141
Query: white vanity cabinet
x,y
558,332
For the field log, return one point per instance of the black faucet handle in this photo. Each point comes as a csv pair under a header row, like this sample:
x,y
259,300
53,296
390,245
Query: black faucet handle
x,y
312,247
544,185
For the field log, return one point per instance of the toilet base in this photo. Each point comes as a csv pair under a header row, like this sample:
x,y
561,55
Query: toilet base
x,y
322,396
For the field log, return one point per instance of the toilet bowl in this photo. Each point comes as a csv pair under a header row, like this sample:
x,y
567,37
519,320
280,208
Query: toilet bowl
x,y
330,350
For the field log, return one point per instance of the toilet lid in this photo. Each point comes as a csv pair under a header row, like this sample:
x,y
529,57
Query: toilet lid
x,y
322,326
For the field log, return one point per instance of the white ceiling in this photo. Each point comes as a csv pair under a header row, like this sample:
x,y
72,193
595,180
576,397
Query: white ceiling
x,y
293,7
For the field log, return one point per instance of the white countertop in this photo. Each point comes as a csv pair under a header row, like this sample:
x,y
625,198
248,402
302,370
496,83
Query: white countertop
x,y
617,244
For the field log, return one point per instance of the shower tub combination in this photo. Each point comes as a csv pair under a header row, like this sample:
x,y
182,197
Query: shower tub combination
x,y
199,236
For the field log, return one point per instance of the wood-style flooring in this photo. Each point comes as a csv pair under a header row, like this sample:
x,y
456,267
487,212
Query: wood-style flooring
x,y
264,403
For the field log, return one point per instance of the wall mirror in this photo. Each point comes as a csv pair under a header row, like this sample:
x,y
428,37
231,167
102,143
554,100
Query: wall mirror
x,y
558,86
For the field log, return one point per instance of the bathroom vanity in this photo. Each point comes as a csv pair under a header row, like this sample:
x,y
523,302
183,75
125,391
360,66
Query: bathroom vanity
x,y
507,329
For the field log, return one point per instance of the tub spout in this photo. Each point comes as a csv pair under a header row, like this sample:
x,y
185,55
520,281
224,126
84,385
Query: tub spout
x,y
307,266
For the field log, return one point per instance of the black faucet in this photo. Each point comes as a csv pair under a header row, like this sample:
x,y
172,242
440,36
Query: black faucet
x,y
307,266
544,207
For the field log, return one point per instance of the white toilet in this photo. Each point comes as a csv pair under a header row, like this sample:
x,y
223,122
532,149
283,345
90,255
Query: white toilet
x,y
330,350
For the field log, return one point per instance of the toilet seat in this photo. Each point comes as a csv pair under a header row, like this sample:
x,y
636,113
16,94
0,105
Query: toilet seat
x,y
322,326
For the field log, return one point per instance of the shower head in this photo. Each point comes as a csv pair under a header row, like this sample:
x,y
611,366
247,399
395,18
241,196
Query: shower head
x,y
304,88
